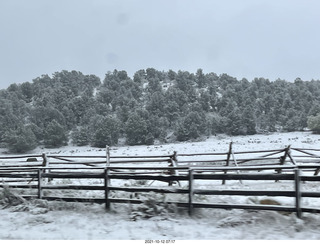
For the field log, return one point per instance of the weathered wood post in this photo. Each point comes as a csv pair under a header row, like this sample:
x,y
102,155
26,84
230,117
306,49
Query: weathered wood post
x,y
40,183
173,162
235,163
283,159
190,202
297,192
108,155
175,157
106,187
228,161
45,163
291,158
108,159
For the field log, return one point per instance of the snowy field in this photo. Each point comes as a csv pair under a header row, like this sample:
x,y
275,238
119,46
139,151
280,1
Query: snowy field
x,y
42,220
219,143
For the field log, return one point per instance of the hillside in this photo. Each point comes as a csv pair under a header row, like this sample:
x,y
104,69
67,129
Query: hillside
x,y
153,106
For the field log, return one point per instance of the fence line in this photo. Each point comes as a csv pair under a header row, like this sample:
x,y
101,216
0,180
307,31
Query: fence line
x,y
168,169
190,177
209,158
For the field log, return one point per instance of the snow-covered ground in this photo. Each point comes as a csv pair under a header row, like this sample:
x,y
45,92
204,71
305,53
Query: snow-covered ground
x,y
39,219
219,143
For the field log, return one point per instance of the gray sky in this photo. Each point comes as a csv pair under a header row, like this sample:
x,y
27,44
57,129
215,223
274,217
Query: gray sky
x,y
248,38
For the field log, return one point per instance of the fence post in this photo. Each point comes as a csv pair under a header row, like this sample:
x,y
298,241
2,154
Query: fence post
x,y
106,187
228,160
297,192
173,163
45,163
283,159
108,155
291,158
190,192
235,163
40,183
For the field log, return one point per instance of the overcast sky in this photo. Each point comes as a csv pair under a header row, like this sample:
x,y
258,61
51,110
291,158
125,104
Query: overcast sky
x,y
248,38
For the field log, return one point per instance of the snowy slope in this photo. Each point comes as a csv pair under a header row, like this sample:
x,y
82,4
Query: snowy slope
x,y
56,220
219,143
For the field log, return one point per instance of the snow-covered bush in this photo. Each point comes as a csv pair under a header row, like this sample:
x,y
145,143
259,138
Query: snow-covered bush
x,y
153,205
314,123
8,198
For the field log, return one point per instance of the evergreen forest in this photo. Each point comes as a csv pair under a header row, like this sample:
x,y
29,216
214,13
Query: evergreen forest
x,y
152,106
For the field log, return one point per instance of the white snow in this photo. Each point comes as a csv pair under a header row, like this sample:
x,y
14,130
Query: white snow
x,y
219,143
76,221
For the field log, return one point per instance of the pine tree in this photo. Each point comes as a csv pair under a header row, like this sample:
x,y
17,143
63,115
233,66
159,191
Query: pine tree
x,y
149,139
107,132
248,125
136,130
181,132
21,140
80,136
55,135
200,78
234,122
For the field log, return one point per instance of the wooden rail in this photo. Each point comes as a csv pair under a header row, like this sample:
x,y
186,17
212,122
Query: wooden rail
x,y
288,155
108,174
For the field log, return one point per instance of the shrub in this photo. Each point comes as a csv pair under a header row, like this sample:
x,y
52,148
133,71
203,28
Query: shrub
x,y
55,135
8,198
20,140
153,205
107,133
314,123
136,130
80,136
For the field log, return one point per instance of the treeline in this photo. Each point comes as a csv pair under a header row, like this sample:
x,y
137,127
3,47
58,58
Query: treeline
x,y
153,105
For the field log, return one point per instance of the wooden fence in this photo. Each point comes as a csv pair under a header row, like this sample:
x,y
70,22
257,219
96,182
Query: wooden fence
x,y
284,156
109,174
270,165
